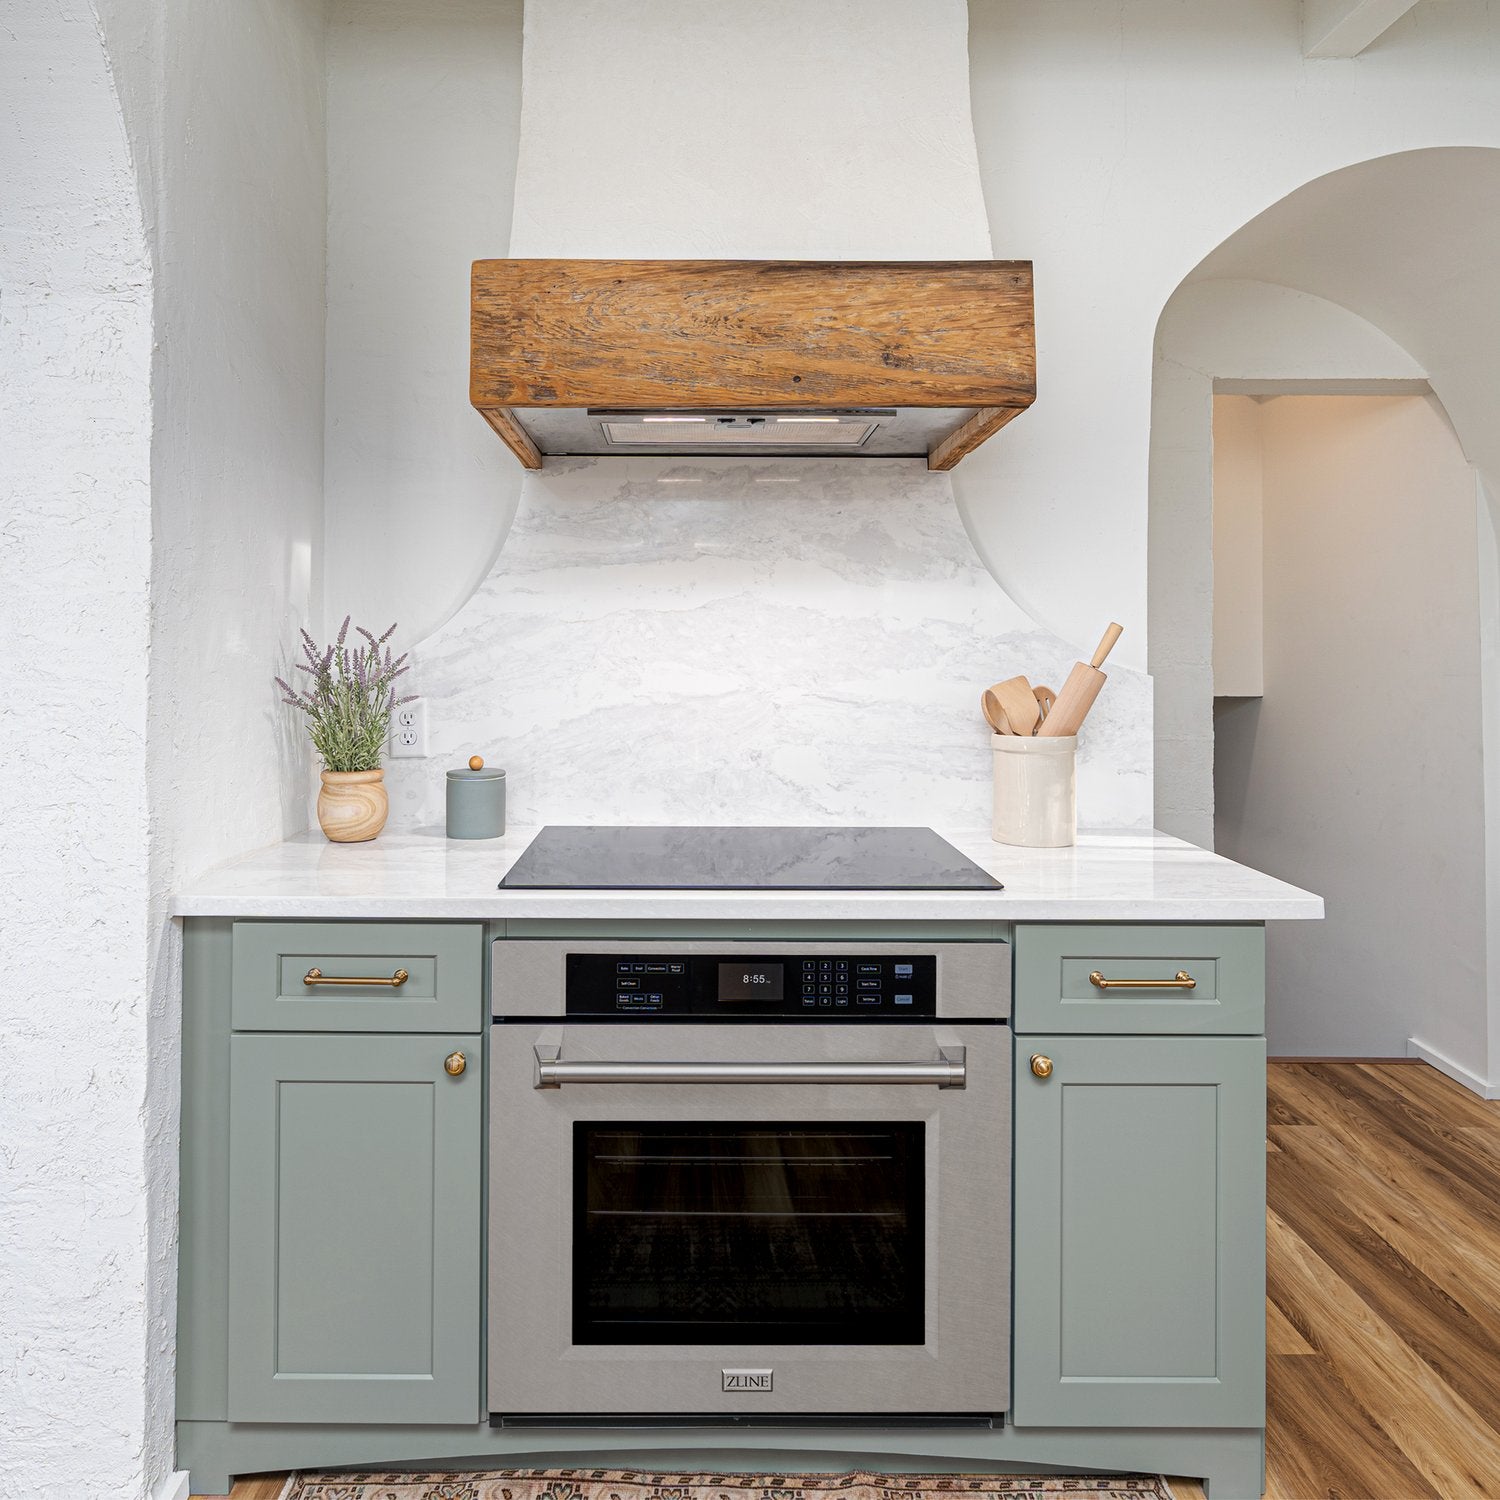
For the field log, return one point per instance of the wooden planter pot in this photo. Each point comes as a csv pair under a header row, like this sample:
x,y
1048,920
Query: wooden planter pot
x,y
352,805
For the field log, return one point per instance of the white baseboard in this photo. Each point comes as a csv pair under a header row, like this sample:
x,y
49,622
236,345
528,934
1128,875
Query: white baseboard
x,y
173,1487
1470,1081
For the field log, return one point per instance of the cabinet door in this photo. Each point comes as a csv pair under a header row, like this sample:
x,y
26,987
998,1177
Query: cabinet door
x,y
354,1262
1140,1232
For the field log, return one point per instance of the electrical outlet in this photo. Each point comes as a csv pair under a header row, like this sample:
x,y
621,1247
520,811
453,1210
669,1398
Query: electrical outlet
x,y
409,730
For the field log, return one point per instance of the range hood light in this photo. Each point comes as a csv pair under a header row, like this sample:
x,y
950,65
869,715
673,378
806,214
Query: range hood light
x,y
745,431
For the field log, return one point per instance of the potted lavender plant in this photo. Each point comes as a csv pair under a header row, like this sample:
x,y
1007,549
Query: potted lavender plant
x,y
348,706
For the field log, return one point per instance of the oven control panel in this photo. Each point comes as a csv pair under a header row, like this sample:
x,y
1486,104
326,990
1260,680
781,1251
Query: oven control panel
x,y
753,986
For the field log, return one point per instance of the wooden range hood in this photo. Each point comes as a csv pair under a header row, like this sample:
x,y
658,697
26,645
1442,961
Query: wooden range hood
x,y
771,358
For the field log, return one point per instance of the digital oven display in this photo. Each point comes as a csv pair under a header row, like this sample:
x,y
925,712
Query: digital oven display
x,y
751,981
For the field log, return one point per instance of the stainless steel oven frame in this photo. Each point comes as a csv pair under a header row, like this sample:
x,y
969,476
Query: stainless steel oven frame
x,y
951,1073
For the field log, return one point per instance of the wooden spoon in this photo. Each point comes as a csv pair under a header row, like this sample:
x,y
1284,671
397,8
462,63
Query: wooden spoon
x,y
1045,698
994,714
1016,698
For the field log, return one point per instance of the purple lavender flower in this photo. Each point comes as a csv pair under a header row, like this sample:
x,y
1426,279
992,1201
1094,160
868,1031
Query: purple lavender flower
x,y
349,702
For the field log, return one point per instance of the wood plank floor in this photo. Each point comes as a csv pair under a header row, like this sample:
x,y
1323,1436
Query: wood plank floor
x,y
1383,1305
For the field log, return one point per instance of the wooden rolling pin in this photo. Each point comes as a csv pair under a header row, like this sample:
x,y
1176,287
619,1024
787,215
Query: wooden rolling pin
x,y
1079,691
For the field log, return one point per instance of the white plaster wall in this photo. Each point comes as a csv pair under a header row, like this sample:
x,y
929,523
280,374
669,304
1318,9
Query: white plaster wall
x,y
804,129
1118,145
1489,707
238,224
75,560
424,104
1371,603
1238,580
224,106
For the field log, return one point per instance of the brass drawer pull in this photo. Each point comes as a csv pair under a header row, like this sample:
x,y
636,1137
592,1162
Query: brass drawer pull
x,y
1183,981
316,976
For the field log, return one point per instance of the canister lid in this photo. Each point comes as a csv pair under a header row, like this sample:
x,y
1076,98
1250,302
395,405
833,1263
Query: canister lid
x,y
476,770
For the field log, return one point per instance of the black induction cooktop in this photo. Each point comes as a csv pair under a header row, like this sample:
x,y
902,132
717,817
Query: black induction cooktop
x,y
744,859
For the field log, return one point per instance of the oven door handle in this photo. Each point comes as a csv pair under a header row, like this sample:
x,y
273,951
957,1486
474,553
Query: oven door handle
x,y
947,1071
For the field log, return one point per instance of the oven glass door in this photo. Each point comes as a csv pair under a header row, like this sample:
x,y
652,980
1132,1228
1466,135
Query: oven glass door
x,y
748,1232
695,1219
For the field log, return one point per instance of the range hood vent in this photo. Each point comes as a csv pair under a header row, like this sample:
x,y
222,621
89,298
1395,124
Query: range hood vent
x,y
772,432
873,359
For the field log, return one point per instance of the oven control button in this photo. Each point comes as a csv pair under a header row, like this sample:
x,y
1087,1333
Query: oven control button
x,y
809,999
869,999
652,999
903,971
869,968
841,989
629,984
842,1000
622,968
901,999
869,984
637,968
656,968
825,999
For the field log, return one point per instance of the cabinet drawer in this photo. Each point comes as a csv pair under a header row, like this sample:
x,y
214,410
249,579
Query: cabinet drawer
x,y
442,989
1055,990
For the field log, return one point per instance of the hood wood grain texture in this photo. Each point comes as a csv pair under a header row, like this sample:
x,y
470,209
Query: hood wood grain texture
x,y
744,336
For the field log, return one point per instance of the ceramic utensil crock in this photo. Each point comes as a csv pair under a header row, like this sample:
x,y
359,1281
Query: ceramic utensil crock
x,y
1036,798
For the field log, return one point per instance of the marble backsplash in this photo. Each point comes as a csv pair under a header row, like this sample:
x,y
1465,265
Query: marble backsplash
x,y
801,641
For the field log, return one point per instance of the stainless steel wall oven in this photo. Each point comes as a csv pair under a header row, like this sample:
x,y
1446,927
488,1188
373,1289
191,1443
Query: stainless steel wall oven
x,y
735,1179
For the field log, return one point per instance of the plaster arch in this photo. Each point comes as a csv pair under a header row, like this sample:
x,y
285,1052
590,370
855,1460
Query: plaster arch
x,y
1376,277
1380,271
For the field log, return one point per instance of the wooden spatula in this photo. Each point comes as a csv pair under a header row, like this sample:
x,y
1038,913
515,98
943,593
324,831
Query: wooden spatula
x,y
1019,703
994,715
1045,698
1079,691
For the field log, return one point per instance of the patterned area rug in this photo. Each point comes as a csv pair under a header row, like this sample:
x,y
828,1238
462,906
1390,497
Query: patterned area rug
x,y
631,1484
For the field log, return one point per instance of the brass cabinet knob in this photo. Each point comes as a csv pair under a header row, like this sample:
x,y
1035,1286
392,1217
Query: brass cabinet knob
x,y
455,1063
1041,1065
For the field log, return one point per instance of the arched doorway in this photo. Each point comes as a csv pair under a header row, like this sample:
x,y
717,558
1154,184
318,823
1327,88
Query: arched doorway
x,y
1376,278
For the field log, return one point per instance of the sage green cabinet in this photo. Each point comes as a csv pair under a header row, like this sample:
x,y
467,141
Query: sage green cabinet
x,y
1140,1231
354,1281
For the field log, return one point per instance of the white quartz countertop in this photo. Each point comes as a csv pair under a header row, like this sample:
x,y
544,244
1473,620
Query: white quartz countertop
x,y
1106,877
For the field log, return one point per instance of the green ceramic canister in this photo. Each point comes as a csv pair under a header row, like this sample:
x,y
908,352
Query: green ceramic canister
x,y
476,802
